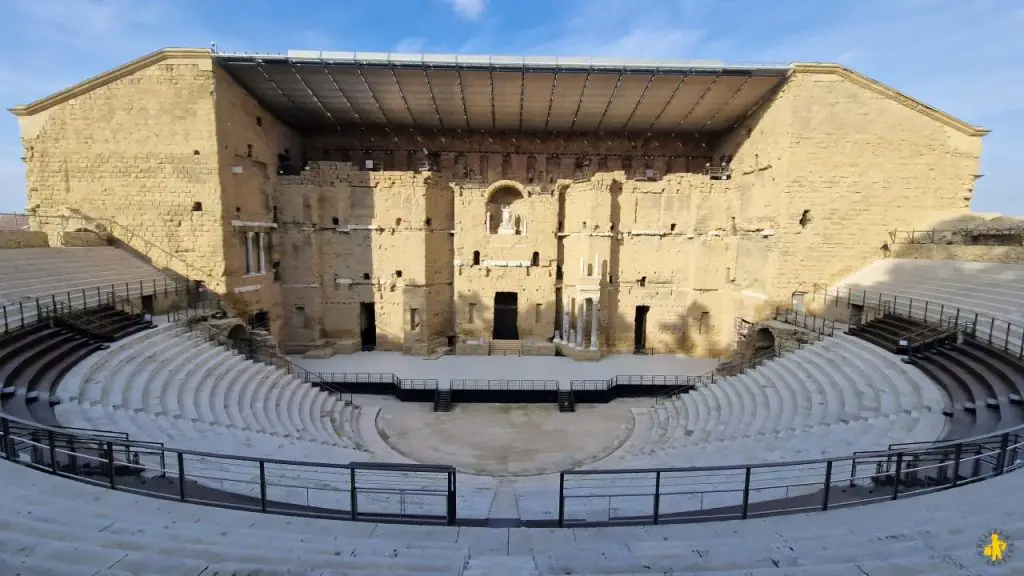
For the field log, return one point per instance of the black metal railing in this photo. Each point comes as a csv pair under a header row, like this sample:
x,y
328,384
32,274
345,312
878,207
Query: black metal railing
x,y
997,334
979,235
668,495
24,313
217,335
499,384
738,366
799,318
413,493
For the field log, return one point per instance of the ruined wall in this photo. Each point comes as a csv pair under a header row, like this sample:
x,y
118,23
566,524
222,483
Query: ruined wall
x,y
348,237
23,239
827,167
659,244
249,140
487,261
140,151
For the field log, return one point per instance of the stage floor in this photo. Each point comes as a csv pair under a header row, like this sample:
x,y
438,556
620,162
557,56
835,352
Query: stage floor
x,y
559,368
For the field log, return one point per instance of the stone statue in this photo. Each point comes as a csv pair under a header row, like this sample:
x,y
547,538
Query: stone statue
x,y
506,226
506,216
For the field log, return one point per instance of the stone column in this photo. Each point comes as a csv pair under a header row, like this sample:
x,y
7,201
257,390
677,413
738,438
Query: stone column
x,y
594,324
566,302
581,311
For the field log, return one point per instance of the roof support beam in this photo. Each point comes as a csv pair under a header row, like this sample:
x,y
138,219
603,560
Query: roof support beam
x,y
342,93
667,103
404,100
726,103
639,102
609,104
372,95
579,104
314,97
433,99
701,99
259,66
494,112
522,96
462,98
551,99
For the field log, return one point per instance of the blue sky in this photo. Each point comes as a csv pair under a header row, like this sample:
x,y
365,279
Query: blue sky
x,y
963,56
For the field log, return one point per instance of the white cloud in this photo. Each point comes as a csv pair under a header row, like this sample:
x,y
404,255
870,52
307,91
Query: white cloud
x,y
410,45
468,9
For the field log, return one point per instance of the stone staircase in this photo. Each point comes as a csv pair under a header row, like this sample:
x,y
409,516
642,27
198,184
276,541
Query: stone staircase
x,y
506,348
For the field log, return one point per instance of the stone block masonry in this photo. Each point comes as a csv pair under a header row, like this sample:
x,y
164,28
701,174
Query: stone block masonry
x,y
599,245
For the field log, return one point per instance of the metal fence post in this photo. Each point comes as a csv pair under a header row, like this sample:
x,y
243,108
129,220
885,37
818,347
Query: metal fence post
x,y
561,499
1006,341
5,429
110,465
263,486
828,485
746,494
181,476
657,495
51,441
1004,444
896,476
957,453
353,500
991,328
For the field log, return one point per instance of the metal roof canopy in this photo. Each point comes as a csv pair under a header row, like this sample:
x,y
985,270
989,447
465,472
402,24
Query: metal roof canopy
x,y
323,90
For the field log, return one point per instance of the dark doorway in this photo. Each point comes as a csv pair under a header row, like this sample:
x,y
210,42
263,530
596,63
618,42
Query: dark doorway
x,y
640,328
149,304
196,292
260,320
367,326
506,316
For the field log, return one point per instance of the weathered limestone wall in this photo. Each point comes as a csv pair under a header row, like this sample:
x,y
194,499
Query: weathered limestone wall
x,y
23,239
138,151
249,141
505,261
348,237
828,167
658,244
84,239
185,163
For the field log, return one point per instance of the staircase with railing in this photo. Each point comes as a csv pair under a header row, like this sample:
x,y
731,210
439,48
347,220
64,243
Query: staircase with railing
x,y
218,335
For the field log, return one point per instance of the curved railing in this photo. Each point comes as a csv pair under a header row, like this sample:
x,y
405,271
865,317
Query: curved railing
x,y
427,494
424,494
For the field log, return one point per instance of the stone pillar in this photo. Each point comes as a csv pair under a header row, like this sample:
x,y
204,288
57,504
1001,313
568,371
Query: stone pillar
x,y
580,313
594,324
566,302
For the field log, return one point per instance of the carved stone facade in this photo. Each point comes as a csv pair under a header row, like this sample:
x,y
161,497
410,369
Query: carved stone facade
x,y
415,241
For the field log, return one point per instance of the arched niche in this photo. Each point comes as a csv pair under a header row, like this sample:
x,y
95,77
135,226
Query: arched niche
x,y
506,195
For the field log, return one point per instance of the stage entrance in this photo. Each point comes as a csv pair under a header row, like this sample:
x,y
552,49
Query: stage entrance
x,y
506,316
367,326
640,328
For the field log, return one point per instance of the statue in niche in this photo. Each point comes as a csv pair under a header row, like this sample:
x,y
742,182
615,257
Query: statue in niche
x,y
506,226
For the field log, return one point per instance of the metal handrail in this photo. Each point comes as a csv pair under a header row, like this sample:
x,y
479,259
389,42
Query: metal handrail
x,y
997,333
280,362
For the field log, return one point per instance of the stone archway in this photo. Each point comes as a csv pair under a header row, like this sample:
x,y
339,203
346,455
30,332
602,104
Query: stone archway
x,y
763,341
502,214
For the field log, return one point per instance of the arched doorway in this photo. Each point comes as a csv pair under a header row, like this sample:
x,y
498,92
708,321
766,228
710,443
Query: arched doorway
x,y
764,342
